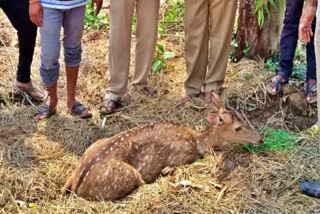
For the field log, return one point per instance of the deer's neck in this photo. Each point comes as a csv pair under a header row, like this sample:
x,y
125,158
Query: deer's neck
x,y
208,139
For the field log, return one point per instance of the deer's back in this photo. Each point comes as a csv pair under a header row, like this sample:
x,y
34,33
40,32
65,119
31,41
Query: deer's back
x,y
147,149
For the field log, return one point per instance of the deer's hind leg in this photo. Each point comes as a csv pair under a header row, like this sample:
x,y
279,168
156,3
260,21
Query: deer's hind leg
x,y
67,188
110,180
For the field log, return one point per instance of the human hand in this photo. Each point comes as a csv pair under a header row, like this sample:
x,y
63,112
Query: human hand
x,y
35,12
98,5
305,30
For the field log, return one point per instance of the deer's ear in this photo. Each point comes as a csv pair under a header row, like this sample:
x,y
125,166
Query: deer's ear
x,y
214,119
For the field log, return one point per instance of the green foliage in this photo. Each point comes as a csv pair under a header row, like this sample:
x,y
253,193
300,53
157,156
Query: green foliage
x,y
299,62
171,21
275,140
134,24
263,9
235,48
300,65
172,18
160,60
272,63
100,22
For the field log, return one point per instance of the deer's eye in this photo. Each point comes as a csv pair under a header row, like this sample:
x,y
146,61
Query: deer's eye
x,y
238,129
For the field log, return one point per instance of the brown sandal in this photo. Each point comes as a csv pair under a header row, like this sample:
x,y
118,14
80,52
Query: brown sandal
x,y
80,111
183,99
109,106
31,91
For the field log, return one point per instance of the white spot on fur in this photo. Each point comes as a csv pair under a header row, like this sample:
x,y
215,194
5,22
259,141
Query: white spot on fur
x,y
85,177
127,135
107,152
122,139
111,148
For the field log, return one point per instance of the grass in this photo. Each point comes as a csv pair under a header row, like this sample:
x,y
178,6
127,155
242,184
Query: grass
x,y
275,140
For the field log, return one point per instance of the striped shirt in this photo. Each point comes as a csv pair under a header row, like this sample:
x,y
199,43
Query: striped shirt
x,y
63,4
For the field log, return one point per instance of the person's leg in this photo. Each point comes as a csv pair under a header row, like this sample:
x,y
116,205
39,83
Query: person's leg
x,y
73,22
222,16
18,14
317,54
196,44
289,37
311,77
146,39
49,56
288,44
121,15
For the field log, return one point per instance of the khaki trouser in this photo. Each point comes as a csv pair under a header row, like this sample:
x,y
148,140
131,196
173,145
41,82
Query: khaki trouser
x,y
208,30
121,15
317,50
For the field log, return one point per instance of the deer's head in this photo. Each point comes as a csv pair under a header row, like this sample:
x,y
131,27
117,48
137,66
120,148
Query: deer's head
x,y
231,126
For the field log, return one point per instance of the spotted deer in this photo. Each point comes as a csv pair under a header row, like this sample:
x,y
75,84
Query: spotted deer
x,y
114,167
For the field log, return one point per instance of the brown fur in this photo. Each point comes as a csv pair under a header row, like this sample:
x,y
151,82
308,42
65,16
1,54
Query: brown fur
x,y
114,167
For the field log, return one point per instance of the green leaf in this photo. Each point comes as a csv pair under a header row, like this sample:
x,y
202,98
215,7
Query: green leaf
x,y
168,55
157,65
272,3
258,5
160,48
267,10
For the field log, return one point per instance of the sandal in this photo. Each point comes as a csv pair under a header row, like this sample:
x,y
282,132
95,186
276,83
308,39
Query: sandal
x,y
311,93
109,106
80,111
44,112
275,85
147,91
310,187
183,99
31,91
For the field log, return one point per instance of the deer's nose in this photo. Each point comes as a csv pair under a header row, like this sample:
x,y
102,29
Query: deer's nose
x,y
261,142
261,139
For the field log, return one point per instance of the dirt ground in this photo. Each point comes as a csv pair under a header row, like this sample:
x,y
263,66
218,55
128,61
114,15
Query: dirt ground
x,y
36,158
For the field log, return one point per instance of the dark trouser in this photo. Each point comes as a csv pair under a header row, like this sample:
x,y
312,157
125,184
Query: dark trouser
x,y
18,14
289,38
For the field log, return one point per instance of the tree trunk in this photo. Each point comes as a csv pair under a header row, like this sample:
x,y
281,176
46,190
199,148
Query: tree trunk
x,y
252,40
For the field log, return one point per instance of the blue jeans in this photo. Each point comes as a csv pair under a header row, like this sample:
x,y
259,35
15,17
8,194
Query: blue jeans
x,y
289,39
72,21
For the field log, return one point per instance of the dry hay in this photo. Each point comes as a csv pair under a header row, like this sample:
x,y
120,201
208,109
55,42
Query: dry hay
x,y
36,158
